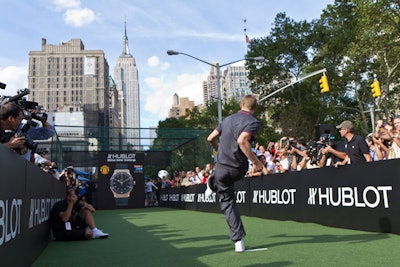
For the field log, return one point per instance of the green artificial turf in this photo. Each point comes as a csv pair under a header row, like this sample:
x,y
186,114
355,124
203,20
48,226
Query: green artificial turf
x,y
168,237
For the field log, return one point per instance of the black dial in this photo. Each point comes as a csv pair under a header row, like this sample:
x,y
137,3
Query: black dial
x,y
121,183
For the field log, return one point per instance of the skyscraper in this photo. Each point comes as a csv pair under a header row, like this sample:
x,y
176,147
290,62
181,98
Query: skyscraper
x,y
234,84
210,86
127,82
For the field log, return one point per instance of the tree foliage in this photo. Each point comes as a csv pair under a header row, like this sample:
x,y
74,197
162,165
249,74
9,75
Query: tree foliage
x,y
355,41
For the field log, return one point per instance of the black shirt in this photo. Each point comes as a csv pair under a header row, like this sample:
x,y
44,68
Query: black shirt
x,y
356,148
61,206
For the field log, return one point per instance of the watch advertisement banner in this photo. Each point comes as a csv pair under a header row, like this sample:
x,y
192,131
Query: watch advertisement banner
x,y
120,180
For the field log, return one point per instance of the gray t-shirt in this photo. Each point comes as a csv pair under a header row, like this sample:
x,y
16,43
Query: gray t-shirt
x,y
229,152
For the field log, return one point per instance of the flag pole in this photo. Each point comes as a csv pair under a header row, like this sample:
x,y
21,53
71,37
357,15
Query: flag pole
x,y
245,36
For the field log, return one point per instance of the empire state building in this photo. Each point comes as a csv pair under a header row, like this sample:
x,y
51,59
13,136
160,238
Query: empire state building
x,y
127,82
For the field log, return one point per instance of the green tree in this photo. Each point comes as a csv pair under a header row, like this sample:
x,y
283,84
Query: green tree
x,y
360,39
354,41
288,51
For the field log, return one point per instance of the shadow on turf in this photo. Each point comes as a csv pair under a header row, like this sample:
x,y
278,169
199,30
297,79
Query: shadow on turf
x,y
159,244
314,239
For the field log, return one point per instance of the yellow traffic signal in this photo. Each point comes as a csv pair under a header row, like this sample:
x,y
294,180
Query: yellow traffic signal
x,y
376,89
323,84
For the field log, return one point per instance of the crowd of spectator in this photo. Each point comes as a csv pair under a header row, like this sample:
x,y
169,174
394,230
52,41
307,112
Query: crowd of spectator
x,y
188,178
291,153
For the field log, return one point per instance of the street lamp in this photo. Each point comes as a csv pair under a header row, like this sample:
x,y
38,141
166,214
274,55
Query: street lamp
x,y
217,67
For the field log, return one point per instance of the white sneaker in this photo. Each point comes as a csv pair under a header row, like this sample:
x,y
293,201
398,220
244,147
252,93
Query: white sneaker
x,y
97,233
209,191
239,246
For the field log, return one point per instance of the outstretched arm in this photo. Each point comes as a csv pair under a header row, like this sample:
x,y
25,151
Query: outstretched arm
x,y
213,139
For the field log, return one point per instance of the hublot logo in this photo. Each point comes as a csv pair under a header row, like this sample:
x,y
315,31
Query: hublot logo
x,y
122,157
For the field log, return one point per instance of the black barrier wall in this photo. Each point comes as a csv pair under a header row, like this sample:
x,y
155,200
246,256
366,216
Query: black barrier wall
x,y
26,197
360,196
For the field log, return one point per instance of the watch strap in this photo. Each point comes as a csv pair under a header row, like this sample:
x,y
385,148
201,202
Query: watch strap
x,y
121,202
121,166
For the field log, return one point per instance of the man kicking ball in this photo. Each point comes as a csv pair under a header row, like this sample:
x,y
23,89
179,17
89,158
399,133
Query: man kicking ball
x,y
234,150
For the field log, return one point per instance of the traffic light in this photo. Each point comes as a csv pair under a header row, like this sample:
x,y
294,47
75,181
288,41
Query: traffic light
x,y
376,89
323,84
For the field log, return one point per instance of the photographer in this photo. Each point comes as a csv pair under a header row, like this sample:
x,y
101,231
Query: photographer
x,y
18,134
43,132
297,150
72,219
331,153
374,145
69,177
10,118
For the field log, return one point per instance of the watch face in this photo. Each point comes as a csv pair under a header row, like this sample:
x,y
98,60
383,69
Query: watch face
x,y
121,183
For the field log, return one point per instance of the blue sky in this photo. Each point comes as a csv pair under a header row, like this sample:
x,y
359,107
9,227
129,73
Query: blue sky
x,y
208,29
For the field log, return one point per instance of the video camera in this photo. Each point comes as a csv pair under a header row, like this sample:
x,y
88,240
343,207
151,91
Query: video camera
x,y
325,140
314,147
30,108
23,129
30,114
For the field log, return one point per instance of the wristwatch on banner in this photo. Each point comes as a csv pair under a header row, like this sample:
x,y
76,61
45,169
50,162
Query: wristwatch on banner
x,y
121,184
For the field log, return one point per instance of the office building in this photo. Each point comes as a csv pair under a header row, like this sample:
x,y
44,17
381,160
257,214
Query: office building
x,y
68,78
180,106
235,83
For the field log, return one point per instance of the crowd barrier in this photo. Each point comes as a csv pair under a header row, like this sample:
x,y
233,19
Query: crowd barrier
x,y
360,196
26,197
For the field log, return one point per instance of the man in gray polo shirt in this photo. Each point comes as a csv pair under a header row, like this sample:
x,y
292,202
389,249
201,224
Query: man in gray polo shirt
x,y
234,150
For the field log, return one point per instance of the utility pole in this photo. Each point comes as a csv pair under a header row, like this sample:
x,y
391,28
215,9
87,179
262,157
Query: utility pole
x,y
292,83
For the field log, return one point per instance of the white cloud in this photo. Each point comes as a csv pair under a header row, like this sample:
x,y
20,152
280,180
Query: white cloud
x,y
74,14
159,100
154,62
15,78
79,17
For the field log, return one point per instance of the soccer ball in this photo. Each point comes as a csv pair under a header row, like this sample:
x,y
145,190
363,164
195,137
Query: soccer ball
x,y
163,174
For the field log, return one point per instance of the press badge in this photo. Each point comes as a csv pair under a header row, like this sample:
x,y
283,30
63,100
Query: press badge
x,y
68,226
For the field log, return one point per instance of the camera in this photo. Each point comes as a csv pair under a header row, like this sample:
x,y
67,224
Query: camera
x,y
16,98
68,176
313,151
292,144
69,170
23,129
27,106
326,140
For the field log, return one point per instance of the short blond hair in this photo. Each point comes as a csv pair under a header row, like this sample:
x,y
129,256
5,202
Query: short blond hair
x,y
249,102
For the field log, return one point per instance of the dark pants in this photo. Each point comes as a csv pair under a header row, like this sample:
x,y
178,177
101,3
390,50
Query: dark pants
x,y
224,179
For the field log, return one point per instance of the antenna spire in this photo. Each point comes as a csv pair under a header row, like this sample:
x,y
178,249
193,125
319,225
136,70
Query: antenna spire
x,y
126,47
